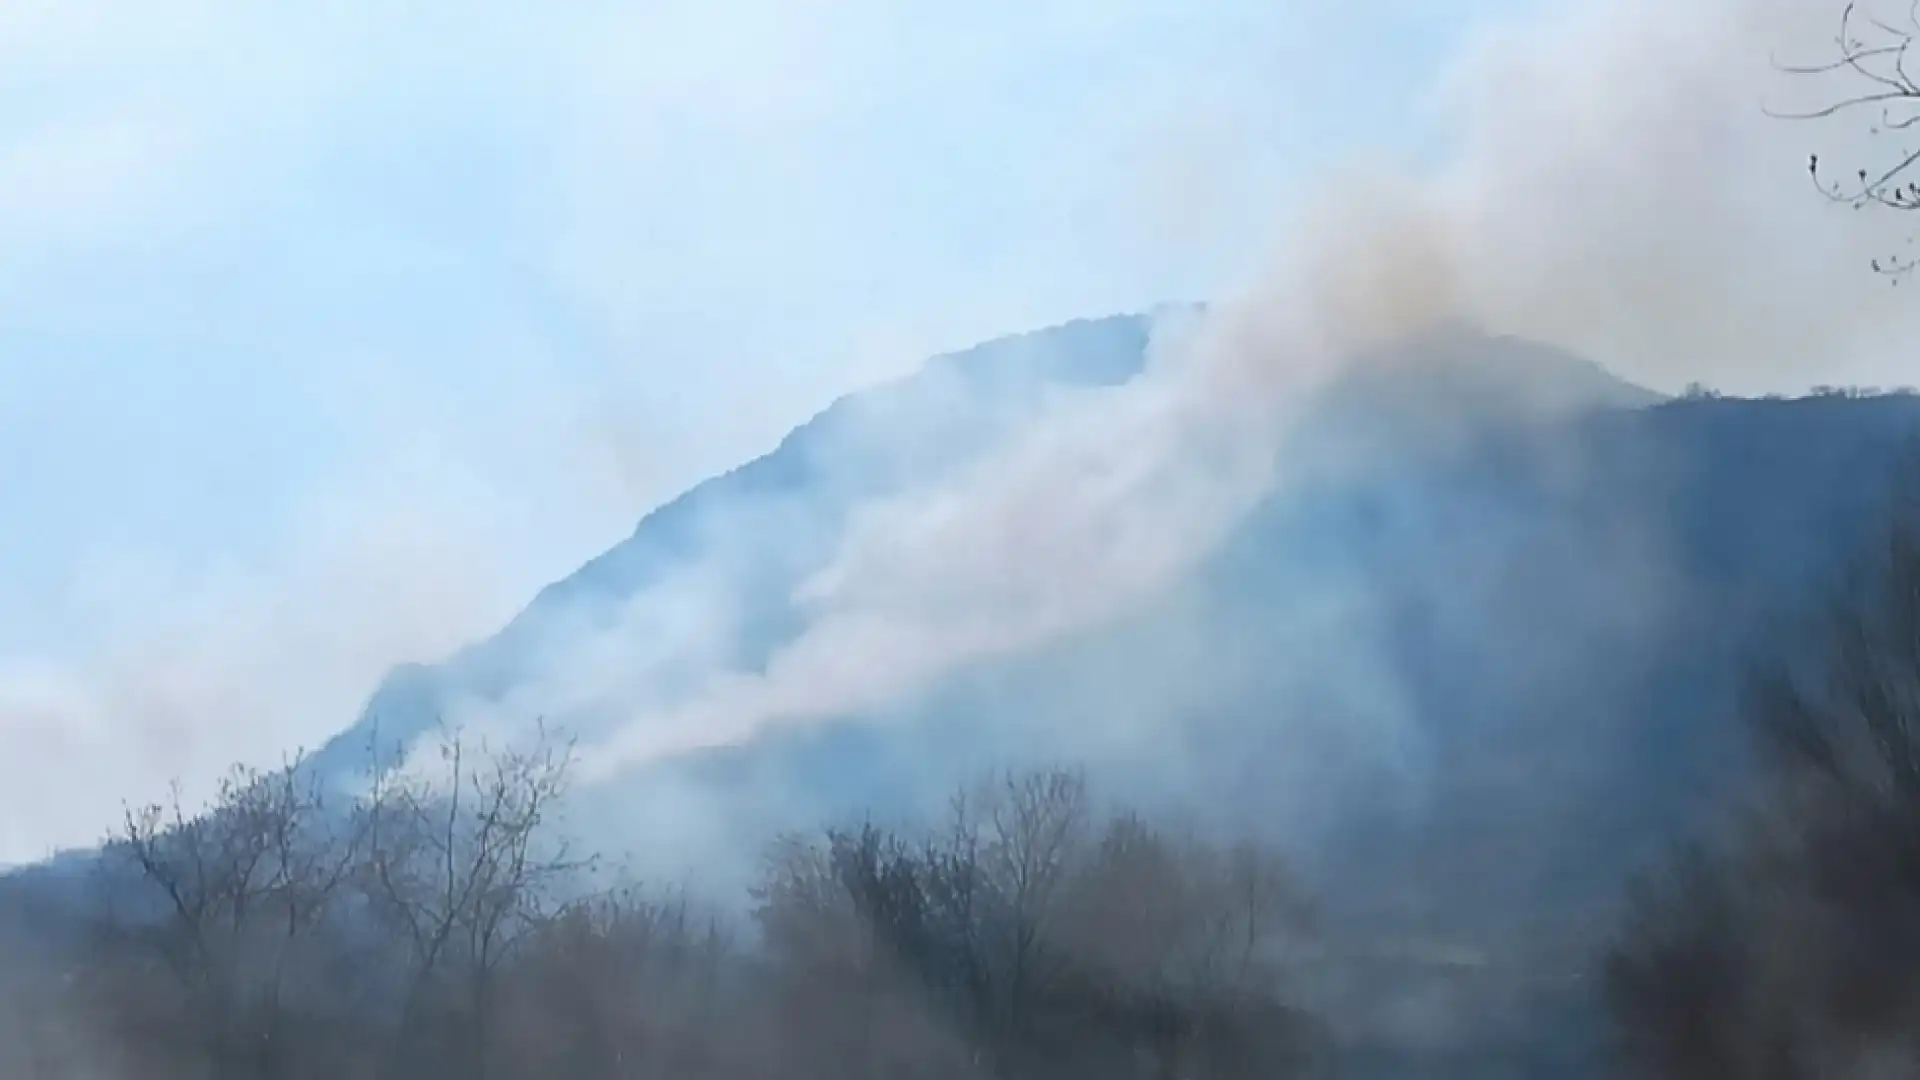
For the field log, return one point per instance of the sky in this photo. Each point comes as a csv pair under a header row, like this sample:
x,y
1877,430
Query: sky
x,y
246,257
328,336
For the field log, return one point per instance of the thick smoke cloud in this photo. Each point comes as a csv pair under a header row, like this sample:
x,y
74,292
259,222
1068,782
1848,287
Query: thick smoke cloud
x,y
1617,188
1108,495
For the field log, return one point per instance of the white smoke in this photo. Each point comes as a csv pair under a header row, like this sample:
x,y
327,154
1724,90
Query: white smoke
x,y
1613,185
249,661
1106,497
1617,188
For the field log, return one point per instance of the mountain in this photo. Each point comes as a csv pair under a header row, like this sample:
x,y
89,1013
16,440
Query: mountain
x,y
1472,659
1499,600
1474,662
763,527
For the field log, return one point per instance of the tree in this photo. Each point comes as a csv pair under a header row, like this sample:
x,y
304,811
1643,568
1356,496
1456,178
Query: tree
x,y
435,927
1790,946
460,866
237,892
1874,60
622,983
1024,938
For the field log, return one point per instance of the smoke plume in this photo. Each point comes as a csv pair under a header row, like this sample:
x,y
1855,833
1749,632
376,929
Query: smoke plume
x,y
1616,187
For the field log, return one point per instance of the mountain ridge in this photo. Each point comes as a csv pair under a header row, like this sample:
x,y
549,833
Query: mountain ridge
x,y
1098,351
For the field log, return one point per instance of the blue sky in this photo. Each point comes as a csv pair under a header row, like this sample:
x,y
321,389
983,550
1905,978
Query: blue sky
x,y
417,306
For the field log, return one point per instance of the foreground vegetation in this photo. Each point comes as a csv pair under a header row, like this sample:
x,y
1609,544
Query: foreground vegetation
x,y
442,929
1786,944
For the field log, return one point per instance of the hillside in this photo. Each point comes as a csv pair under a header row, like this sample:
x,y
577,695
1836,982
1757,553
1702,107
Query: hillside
x,y
1470,665
1500,562
1502,612
754,534
766,525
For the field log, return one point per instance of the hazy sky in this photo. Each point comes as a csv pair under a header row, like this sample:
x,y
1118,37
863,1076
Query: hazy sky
x,y
328,335
251,254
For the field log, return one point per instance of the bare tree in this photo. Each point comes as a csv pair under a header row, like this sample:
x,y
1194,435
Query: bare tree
x,y
1790,946
1872,70
1021,939
1170,910
1035,825
241,887
460,863
621,983
1025,939
857,971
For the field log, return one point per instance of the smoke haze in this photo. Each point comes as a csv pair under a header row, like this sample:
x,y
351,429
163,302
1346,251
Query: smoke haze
x,y
1610,183
1618,190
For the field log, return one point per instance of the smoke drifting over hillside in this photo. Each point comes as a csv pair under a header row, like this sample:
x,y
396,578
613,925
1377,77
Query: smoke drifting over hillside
x,y
1617,190
1111,493
1612,185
